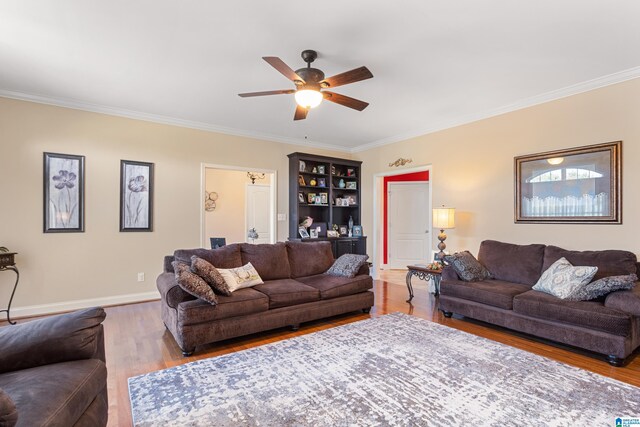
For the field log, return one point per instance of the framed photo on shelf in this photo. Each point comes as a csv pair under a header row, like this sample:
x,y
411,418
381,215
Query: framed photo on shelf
x,y
351,185
301,180
332,233
322,182
63,193
321,169
575,185
351,172
313,233
338,201
317,199
344,230
136,196
324,198
311,198
357,231
300,198
302,166
303,232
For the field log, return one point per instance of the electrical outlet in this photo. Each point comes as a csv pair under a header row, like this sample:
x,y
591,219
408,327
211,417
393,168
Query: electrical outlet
x,y
140,277
282,217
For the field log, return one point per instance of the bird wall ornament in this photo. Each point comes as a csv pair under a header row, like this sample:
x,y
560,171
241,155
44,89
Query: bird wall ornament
x,y
306,223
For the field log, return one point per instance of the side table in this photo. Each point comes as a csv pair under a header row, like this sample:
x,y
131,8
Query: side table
x,y
7,264
422,273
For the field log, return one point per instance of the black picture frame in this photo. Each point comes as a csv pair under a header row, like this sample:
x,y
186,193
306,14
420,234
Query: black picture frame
x,y
357,231
321,227
581,185
136,196
63,193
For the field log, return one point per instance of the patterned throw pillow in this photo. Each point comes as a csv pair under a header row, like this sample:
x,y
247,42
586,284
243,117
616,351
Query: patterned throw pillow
x,y
562,279
241,277
347,265
602,287
210,274
192,283
467,267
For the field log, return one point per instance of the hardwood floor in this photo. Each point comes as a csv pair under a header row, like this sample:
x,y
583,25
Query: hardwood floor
x,y
137,341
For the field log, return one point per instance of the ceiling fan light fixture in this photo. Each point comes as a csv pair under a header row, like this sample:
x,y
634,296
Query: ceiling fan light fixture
x,y
308,98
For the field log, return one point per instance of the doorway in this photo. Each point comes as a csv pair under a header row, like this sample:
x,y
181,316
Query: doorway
x,y
239,204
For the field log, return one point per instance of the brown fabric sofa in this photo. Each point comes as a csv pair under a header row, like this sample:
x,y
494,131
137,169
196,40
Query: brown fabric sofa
x,y
609,325
53,372
295,290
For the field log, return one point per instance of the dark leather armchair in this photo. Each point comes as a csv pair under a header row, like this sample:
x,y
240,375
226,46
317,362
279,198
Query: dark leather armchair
x,y
53,371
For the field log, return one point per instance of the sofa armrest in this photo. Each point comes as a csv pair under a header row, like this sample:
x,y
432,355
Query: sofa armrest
x,y
8,410
62,338
448,273
364,270
626,301
170,292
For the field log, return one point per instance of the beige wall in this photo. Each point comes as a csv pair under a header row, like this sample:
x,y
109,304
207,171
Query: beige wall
x,y
229,217
102,262
472,168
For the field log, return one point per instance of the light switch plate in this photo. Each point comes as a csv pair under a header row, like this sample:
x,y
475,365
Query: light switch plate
x,y
282,217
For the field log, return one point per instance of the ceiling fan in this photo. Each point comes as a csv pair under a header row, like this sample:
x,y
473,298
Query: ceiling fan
x,y
309,82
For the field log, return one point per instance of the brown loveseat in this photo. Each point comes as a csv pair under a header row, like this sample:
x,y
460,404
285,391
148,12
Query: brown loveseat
x,y
53,372
295,290
609,325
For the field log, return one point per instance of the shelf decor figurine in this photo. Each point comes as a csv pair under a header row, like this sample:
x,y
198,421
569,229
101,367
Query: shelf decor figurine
x,y
341,183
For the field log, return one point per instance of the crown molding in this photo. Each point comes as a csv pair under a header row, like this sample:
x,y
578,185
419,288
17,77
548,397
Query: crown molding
x,y
611,79
156,118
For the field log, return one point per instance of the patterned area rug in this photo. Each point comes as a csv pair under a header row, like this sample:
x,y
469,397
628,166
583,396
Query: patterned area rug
x,y
394,370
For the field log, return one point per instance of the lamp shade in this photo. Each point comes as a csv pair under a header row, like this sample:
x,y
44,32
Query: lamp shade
x,y
444,218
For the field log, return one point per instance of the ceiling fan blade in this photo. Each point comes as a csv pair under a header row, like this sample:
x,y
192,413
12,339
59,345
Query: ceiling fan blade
x,y
268,92
356,104
347,77
279,65
301,113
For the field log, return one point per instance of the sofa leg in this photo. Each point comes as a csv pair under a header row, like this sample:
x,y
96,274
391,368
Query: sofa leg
x,y
366,310
187,353
447,314
295,327
615,361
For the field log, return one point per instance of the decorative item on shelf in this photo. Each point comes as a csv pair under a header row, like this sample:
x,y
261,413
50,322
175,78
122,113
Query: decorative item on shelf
x,y
436,266
320,168
253,176
313,182
301,180
314,170
350,223
352,185
351,200
303,233
311,198
357,231
351,172
338,201
324,198
313,233
322,182
341,183
443,219
252,234
302,166
332,233
300,198
333,170
400,162
306,223
317,199
343,230
322,229
210,201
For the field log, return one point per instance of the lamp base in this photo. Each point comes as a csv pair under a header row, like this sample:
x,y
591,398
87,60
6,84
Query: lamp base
x,y
440,255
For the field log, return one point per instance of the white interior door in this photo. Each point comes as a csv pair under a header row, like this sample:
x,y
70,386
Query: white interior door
x,y
258,212
409,222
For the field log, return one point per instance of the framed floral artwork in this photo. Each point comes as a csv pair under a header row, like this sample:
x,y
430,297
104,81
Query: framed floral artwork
x,y
136,196
575,185
63,193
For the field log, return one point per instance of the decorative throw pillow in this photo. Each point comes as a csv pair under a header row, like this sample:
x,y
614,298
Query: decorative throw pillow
x,y
210,274
562,279
241,277
467,267
602,287
192,283
347,265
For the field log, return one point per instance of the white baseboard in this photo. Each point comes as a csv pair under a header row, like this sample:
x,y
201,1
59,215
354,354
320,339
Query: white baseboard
x,y
59,307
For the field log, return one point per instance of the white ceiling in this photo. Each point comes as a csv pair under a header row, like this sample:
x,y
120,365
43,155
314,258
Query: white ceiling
x,y
436,63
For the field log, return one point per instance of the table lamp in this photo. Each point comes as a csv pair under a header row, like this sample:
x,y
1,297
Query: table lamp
x,y
443,219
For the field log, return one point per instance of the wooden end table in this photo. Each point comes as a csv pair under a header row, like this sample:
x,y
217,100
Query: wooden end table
x,y
423,273
7,263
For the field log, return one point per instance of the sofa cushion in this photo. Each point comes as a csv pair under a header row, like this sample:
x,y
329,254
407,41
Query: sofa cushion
x,y
496,293
241,277
210,274
347,265
287,292
563,280
588,314
512,263
224,257
625,301
56,394
8,411
467,267
240,303
336,286
309,259
192,283
270,260
609,262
